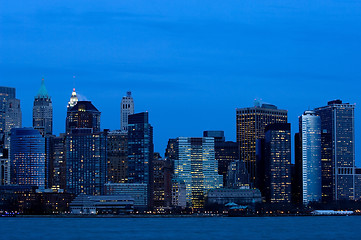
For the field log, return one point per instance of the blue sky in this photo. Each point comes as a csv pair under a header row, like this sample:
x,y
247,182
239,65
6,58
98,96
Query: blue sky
x,y
189,63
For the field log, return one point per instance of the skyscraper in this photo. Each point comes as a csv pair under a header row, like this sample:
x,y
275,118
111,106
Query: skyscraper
x,y
140,151
196,165
338,150
13,118
86,162
43,111
83,115
251,123
277,163
225,152
57,162
6,93
126,109
310,139
117,155
27,157
73,99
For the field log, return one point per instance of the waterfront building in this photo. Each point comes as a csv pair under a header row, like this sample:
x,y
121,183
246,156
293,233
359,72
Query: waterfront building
x,y
196,165
4,168
43,111
126,109
240,196
117,154
251,123
140,151
162,182
310,139
337,150
357,184
27,157
83,115
225,152
179,193
138,191
275,164
86,162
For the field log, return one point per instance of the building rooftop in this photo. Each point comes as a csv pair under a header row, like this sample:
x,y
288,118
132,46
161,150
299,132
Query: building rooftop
x,y
42,93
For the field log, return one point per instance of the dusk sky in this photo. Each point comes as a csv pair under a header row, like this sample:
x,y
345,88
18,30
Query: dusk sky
x,y
189,63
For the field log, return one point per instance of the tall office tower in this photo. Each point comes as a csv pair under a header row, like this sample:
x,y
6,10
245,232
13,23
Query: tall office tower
x,y
162,182
337,150
225,152
13,118
297,171
73,99
117,154
237,175
140,151
83,115
27,157
196,165
310,139
276,163
57,162
43,111
251,123
86,162
126,109
6,93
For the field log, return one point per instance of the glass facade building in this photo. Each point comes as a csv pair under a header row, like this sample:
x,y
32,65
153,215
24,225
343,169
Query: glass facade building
x,y
251,123
27,157
311,171
86,162
338,150
196,165
117,156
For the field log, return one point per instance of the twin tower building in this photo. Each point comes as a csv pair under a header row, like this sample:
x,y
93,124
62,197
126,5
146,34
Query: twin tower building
x,y
324,168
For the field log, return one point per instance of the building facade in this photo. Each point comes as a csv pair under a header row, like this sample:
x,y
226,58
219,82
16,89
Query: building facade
x,y
251,123
311,171
338,150
196,165
126,109
83,115
27,157
86,162
43,111
138,191
117,157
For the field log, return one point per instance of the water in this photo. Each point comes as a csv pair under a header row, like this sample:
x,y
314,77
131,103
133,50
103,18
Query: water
x,y
345,227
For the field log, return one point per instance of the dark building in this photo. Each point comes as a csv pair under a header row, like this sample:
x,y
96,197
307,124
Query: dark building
x,y
86,162
251,123
162,182
140,151
27,157
117,155
57,162
338,150
6,93
277,163
225,152
43,112
237,175
83,115
297,172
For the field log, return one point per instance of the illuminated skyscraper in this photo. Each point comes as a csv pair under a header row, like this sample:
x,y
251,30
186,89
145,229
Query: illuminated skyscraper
x,y
27,157
6,93
310,139
13,118
86,162
43,111
83,115
338,150
251,123
73,99
196,165
126,109
117,157
276,163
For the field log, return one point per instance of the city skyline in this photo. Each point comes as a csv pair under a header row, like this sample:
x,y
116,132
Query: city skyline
x,y
183,61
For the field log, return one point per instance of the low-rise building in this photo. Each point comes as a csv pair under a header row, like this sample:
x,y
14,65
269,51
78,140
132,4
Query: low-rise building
x,y
138,191
242,196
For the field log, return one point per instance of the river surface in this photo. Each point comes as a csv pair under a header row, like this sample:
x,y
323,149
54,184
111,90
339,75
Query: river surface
x,y
341,227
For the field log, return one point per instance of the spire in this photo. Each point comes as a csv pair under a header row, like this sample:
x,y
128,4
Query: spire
x,y
73,99
42,93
